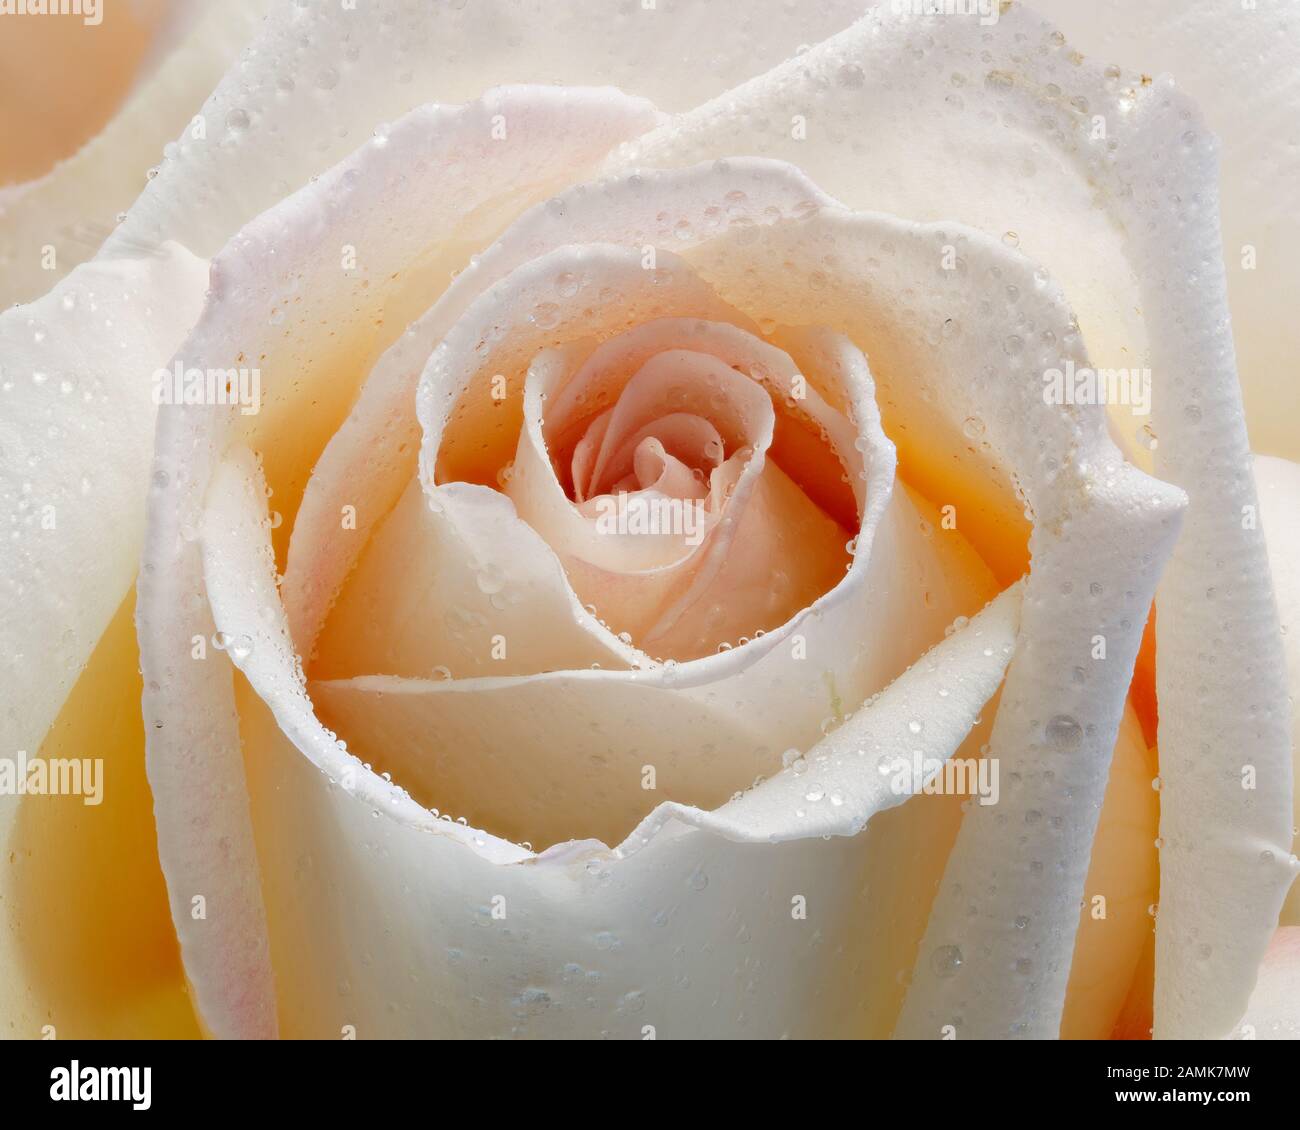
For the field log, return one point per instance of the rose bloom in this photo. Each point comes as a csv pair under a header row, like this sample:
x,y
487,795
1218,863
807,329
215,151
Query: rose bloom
x,y
648,520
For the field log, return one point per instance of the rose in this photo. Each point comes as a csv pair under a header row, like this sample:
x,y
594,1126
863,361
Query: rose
x,y
1099,526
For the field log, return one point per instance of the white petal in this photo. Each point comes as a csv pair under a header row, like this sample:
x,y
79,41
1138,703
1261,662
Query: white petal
x,y
274,319
1274,1009
581,940
1141,264
1100,527
1242,66
551,757
78,416
1278,484
75,206
355,69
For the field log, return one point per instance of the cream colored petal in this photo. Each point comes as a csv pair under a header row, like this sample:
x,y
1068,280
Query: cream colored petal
x,y
1274,1009
663,589
1278,484
77,397
1101,533
373,454
49,225
272,321
708,727
1111,183
581,941
905,586
1241,63
355,69
1116,922
463,590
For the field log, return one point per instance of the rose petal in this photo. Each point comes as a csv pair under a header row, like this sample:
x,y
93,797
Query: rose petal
x,y
80,949
663,589
1241,64
737,712
1274,1009
373,453
632,930
466,589
274,320
1278,484
357,69
493,338
74,207
1140,269
79,411
898,595
1100,526
1115,922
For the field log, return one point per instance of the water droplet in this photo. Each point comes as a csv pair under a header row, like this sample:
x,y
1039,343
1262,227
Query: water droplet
x,y
851,76
490,580
1064,732
545,315
945,961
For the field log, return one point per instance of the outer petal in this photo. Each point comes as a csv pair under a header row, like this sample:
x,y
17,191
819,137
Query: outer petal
x,y
1142,268
74,207
356,68
274,320
1274,1009
1278,483
1101,533
1241,63
74,441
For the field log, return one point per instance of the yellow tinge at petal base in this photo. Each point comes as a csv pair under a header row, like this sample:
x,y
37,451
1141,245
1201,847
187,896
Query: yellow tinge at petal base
x,y
87,945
